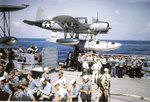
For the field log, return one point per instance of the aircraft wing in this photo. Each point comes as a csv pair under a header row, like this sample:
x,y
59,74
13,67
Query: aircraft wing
x,y
4,8
68,19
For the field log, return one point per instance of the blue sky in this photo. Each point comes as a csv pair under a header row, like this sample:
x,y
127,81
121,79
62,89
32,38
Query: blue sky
x,y
129,19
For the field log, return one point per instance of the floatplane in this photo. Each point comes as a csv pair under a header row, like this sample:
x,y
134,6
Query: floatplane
x,y
5,35
76,26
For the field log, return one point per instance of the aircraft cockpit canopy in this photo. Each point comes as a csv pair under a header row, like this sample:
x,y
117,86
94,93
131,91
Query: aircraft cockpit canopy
x,y
82,20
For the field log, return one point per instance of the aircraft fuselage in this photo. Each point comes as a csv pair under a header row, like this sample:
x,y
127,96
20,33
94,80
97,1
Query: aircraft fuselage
x,y
99,27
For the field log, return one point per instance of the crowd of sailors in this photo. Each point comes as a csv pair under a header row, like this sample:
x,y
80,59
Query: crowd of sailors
x,y
118,65
16,86
9,54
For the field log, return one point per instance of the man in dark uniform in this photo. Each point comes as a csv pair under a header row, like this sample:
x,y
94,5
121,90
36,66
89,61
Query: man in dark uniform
x,y
21,78
5,89
104,64
120,69
113,69
139,67
28,95
68,62
132,68
18,93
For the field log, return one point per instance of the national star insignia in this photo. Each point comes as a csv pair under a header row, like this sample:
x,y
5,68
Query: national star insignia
x,y
47,25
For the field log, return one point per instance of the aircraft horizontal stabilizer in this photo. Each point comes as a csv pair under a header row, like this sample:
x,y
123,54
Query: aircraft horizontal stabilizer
x,y
29,22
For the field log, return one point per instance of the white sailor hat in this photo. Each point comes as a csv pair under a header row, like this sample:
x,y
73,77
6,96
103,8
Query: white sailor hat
x,y
2,78
106,70
45,68
85,77
1,54
56,83
35,47
72,81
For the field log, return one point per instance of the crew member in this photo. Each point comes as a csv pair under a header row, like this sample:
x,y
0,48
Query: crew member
x,y
85,89
113,69
85,67
62,93
104,64
68,62
21,49
139,67
74,91
120,69
21,78
28,94
62,79
36,49
5,88
46,74
18,93
13,79
132,69
30,49
3,73
79,64
46,92
34,84
96,69
105,86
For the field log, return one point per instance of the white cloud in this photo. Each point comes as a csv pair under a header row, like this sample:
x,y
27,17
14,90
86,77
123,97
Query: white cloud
x,y
16,23
115,22
117,12
146,29
148,25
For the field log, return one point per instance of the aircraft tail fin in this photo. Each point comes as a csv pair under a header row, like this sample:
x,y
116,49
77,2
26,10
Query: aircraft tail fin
x,y
40,14
29,22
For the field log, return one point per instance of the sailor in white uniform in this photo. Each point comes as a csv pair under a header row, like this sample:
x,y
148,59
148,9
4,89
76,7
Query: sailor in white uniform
x,y
85,67
62,79
96,70
62,93
46,74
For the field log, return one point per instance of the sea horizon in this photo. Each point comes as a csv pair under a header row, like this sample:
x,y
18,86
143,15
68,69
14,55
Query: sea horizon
x,y
98,39
129,47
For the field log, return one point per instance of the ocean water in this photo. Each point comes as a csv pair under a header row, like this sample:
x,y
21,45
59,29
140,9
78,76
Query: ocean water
x,y
128,47
42,43
132,48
